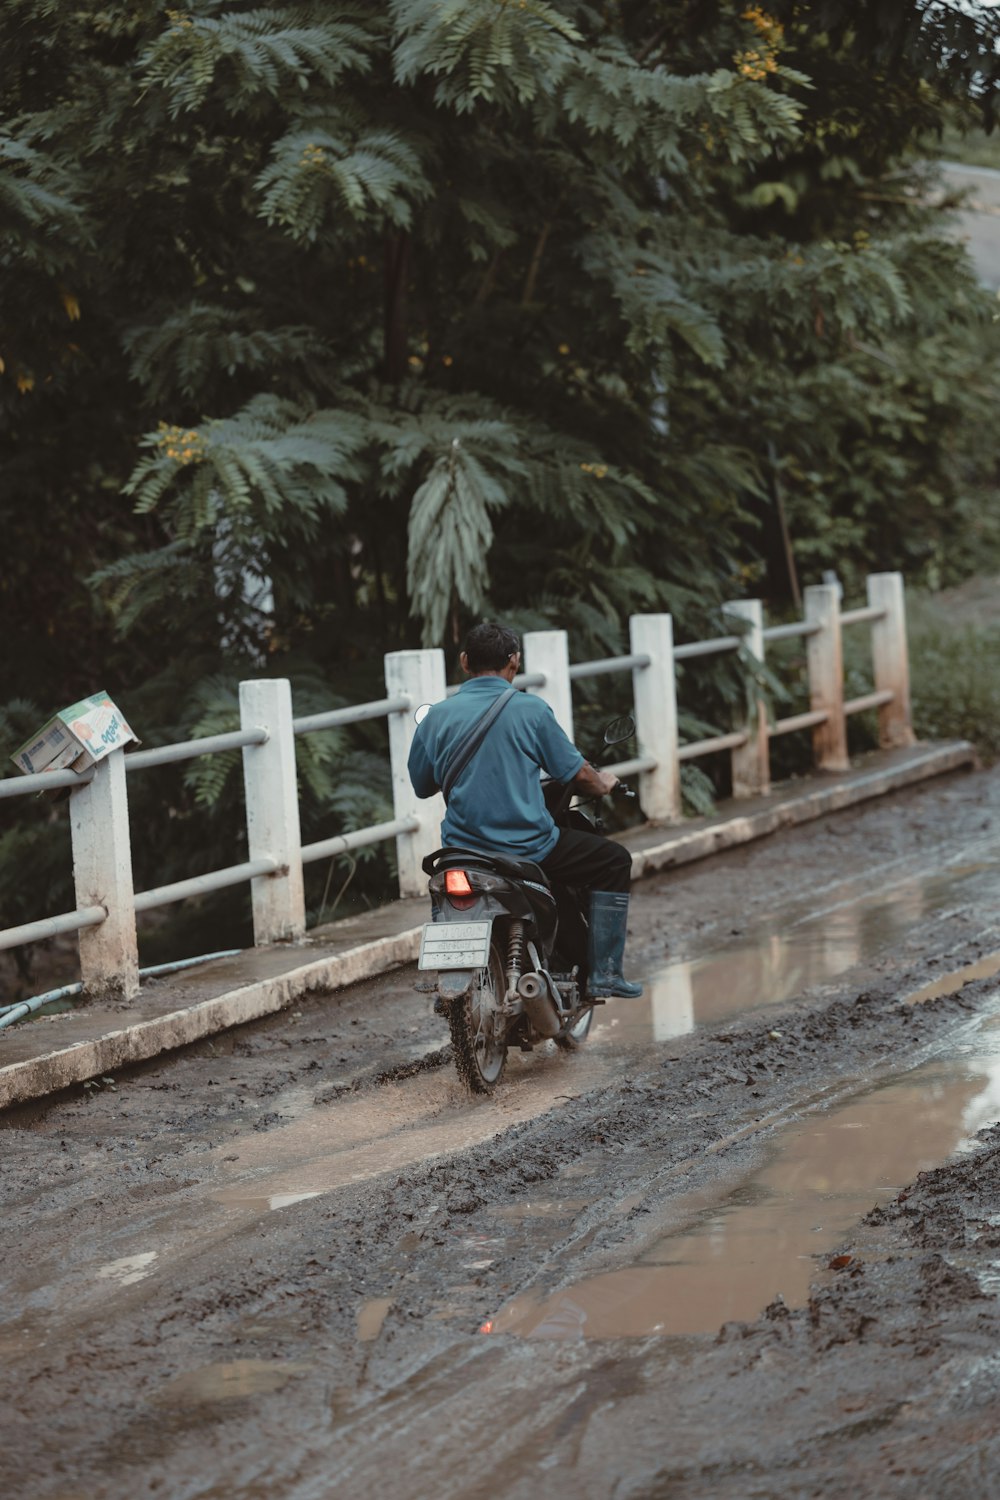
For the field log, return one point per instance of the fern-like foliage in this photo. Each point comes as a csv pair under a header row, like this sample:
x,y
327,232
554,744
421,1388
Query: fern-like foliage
x,y
254,54
141,581
269,460
479,50
652,114
449,538
38,204
318,171
654,304
190,348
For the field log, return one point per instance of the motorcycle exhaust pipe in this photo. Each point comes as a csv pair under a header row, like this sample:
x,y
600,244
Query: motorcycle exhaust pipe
x,y
538,1005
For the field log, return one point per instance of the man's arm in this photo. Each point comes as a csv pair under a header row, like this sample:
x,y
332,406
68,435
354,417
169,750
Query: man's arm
x,y
419,767
594,783
561,759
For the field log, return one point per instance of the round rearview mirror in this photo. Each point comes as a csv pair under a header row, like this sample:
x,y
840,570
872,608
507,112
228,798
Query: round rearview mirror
x,y
421,713
619,729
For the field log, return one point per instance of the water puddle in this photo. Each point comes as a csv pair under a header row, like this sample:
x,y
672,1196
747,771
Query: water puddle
x,y
725,1253
371,1318
541,1208
780,959
949,984
128,1269
235,1378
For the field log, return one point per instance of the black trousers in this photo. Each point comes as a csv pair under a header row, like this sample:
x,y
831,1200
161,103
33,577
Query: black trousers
x,y
582,862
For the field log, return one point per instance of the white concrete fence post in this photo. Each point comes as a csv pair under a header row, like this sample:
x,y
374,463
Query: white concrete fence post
x,y
826,676
420,677
890,659
655,694
272,801
752,762
102,874
547,651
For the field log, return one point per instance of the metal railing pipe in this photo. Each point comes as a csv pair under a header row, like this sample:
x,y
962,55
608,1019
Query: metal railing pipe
x,y
361,838
43,781
869,700
209,744
714,647
797,629
808,720
636,767
200,885
47,927
379,708
608,664
698,748
859,616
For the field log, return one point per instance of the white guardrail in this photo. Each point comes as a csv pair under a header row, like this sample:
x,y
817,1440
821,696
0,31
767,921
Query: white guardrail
x,y
106,902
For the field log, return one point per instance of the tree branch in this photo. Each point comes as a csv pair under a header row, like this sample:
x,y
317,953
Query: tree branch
x,y
528,295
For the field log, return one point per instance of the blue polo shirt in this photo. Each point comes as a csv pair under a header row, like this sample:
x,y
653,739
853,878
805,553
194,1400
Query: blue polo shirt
x,y
497,802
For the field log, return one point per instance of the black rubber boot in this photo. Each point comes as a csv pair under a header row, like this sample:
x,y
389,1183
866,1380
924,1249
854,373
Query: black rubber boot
x,y
608,927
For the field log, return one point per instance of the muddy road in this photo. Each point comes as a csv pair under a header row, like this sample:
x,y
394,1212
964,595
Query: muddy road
x,y
745,1243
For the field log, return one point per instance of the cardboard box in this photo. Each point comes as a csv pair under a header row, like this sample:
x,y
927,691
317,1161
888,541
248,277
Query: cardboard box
x,y
77,737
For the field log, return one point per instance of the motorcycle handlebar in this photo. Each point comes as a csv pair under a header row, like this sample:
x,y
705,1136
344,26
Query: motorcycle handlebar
x,y
618,790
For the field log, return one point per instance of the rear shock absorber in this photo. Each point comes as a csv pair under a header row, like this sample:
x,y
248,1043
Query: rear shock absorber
x,y
515,957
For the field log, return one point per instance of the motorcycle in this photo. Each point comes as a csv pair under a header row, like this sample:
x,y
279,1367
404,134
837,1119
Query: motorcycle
x,y
494,943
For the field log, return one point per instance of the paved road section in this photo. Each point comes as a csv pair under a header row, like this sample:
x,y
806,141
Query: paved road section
x,y
978,222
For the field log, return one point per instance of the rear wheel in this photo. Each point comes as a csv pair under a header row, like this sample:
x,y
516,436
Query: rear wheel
x,y
479,1030
577,1033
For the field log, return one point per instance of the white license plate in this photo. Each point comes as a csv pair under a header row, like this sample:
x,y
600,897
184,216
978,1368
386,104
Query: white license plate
x,y
455,945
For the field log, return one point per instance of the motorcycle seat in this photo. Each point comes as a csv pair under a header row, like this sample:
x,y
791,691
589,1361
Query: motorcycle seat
x,y
503,864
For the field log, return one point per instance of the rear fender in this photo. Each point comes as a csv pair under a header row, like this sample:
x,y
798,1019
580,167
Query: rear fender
x,y
454,984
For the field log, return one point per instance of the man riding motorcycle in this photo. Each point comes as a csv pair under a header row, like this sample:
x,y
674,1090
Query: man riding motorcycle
x,y
495,801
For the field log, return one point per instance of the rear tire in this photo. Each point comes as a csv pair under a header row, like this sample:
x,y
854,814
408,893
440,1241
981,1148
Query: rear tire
x,y
478,1035
574,1038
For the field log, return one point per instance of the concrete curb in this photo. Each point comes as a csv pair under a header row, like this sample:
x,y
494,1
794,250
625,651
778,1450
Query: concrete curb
x,y
32,1078
801,807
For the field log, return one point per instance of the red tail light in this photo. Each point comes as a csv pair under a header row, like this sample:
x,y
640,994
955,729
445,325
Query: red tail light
x,y
458,890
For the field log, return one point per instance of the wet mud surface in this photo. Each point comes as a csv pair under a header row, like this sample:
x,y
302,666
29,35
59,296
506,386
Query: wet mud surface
x,y
297,1260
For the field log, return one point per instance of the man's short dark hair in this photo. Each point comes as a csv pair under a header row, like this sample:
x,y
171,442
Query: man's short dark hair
x,y
489,647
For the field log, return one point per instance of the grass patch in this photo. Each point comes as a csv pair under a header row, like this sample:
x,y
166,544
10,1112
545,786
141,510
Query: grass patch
x,y
954,677
974,148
